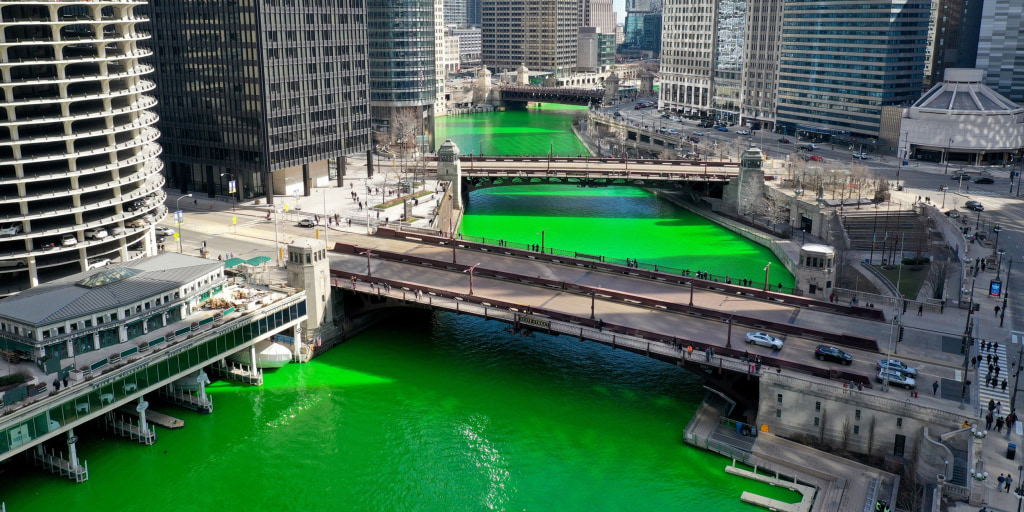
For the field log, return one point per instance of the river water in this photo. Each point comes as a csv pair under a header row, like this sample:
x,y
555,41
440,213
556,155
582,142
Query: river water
x,y
439,412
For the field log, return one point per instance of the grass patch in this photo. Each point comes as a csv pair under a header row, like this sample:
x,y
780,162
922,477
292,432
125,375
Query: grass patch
x,y
910,280
401,199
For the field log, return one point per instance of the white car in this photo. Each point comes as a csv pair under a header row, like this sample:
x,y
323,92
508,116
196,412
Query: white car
x,y
862,156
96,233
742,132
68,240
307,223
12,263
765,340
115,231
164,231
99,263
10,229
896,378
137,223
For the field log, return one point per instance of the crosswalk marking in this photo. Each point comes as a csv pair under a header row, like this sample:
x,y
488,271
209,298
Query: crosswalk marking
x,y
985,391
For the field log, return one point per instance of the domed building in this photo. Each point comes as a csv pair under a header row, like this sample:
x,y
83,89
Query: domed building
x,y
961,121
80,181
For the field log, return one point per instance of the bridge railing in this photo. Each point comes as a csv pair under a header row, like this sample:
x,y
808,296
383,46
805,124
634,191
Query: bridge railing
x,y
673,348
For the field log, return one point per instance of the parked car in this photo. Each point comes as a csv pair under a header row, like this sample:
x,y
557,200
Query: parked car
x,y
785,141
862,156
10,229
764,339
46,245
825,352
984,180
694,140
673,131
896,378
974,205
722,129
307,223
961,176
102,262
12,263
899,366
743,132
148,218
707,124
953,214
96,233
135,246
808,147
817,158
115,231
68,240
163,230
137,223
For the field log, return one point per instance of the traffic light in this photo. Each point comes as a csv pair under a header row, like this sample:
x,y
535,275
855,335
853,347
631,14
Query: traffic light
x,y
900,339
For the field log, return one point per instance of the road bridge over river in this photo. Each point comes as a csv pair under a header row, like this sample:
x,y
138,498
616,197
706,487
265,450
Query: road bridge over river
x,y
645,311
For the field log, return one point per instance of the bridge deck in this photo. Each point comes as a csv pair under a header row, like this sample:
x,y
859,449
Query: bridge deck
x,y
623,299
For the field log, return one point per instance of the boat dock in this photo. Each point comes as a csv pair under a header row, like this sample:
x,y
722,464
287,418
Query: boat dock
x,y
806,491
157,418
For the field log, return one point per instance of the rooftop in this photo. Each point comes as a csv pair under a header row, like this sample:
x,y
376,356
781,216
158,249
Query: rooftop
x,y
105,288
962,91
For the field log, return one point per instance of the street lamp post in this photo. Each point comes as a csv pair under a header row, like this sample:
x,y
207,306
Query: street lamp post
x,y
767,269
229,175
367,253
728,334
470,270
177,208
541,233
977,225
946,171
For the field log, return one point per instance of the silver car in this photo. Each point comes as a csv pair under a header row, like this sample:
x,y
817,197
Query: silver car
x,y
764,339
899,366
896,378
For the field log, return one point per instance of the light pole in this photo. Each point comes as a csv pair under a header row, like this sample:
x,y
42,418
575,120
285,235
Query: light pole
x,y
946,171
728,334
999,262
977,225
997,228
541,233
177,208
470,270
228,174
367,253
277,241
767,269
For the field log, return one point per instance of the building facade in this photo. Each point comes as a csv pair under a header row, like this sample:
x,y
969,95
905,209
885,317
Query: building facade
x,y
80,177
540,34
469,46
402,58
262,93
643,28
473,13
953,32
688,56
1001,47
841,62
761,37
455,12
598,13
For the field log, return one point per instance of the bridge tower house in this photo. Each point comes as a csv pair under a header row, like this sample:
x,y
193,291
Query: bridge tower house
x,y
815,271
309,269
449,169
747,189
522,75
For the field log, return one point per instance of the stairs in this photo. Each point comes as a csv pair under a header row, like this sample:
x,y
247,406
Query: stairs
x,y
873,224
959,467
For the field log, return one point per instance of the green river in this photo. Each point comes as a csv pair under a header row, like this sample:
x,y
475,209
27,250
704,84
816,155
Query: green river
x,y
437,412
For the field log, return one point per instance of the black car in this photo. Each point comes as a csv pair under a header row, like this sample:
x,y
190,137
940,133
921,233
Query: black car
x,y
974,205
961,176
785,141
984,181
832,354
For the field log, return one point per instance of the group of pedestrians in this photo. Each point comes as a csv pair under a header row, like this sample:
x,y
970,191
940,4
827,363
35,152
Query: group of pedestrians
x,y
995,417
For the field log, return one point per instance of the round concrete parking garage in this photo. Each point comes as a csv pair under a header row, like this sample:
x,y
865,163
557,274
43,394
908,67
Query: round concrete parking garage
x,y
962,122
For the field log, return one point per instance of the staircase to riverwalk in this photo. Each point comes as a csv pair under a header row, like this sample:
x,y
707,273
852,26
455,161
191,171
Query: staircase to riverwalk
x,y
880,226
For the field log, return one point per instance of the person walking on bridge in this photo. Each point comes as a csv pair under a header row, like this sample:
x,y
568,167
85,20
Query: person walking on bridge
x,y
935,387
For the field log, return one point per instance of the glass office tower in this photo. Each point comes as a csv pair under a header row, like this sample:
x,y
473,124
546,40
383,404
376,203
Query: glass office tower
x,y
266,93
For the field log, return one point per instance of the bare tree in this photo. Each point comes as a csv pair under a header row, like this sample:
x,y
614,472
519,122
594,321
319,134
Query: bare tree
x,y
882,190
860,178
405,124
774,207
912,489
938,273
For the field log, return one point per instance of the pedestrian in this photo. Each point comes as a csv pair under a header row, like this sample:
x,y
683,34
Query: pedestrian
x,y
1002,481
997,310
991,405
997,371
1009,481
920,310
988,421
195,202
999,408
995,361
999,424
1004,385
935,387
988,359
994,346
993,382
974,362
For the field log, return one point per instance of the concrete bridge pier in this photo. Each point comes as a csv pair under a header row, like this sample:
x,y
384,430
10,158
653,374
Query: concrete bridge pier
x,y
56,463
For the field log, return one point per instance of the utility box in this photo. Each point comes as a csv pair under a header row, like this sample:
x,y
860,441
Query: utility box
x,y
1011,451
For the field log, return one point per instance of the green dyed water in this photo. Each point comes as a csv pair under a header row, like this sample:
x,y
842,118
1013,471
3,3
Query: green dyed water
x,y
533,131
618,222
433,412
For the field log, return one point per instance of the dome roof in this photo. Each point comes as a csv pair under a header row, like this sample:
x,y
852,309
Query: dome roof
x,y
962,91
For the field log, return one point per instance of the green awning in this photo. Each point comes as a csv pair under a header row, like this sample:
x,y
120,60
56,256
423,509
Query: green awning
x,y
258,260
233,262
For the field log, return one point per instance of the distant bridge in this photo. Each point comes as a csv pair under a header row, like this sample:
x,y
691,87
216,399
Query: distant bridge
x,y
564,95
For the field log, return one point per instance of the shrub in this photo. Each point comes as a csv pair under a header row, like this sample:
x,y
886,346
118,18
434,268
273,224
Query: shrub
x,y
923,260
8,380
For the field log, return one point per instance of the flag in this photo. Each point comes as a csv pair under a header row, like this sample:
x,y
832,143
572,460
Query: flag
x,y
421,78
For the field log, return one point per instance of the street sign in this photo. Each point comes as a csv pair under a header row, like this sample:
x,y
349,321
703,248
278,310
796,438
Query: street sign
x,y
286,208
232,187
179,215
234,219
176,237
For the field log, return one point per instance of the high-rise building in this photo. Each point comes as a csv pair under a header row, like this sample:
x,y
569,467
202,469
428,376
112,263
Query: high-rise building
x,y
473,10
469,46
80,178
402,57
842,61
687,56
643,30
953,32
262,93
440,55
541,34
762,33
598,13
455,12
1001,47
